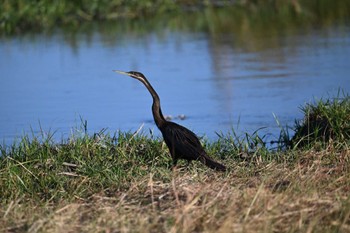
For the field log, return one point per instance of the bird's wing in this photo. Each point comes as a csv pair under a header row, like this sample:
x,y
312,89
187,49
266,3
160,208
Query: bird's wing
x,y
183,141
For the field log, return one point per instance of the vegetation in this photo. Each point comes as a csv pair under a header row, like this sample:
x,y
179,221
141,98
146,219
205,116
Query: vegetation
x,y
325,122
18,16
123,182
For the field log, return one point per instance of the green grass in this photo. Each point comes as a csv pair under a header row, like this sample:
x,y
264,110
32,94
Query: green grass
x,y
48,171
326,123
124,183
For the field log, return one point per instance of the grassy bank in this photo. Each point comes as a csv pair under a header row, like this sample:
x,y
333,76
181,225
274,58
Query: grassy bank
x,y
123,183
18,16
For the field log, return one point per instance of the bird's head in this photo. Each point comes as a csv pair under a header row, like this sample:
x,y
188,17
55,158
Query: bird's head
x,y
133,74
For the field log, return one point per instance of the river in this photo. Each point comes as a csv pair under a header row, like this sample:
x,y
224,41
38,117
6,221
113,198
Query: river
x,y
219,80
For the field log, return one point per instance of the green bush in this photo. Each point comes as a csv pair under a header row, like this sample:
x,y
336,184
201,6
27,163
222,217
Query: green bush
x,y
327,122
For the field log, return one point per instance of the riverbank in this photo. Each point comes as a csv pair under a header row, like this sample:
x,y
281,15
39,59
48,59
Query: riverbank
x,y
36,16
87,186
124,182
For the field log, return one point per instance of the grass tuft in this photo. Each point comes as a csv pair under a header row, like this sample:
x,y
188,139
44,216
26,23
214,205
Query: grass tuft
x,y
325,123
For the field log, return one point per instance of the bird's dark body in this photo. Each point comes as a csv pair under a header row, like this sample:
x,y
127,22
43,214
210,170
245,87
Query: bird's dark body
x,y
182,142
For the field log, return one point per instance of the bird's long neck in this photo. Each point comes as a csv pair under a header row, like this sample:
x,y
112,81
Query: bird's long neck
x,y
156,110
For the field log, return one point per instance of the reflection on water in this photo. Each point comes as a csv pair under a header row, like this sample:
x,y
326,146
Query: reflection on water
x,y
219,76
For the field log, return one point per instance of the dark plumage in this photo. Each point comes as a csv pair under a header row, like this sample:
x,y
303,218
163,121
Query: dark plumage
x,y
182,143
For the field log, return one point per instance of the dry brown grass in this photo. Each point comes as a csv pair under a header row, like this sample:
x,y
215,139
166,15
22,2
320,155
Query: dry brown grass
x,y
310,194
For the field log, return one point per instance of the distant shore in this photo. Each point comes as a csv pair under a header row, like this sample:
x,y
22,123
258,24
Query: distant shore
x,y
18,16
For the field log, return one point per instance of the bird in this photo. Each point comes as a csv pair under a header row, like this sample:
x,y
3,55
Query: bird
x,y
181,142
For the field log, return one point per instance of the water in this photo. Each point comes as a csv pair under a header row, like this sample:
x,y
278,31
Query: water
x,y
51,82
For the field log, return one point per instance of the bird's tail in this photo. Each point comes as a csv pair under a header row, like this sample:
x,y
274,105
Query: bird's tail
x,y
212,164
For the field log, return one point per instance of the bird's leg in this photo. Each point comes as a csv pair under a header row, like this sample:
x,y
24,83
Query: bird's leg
x,y
173,156
174,163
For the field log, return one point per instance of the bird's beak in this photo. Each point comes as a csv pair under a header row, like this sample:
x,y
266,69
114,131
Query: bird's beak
x,y
121,72
125,73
